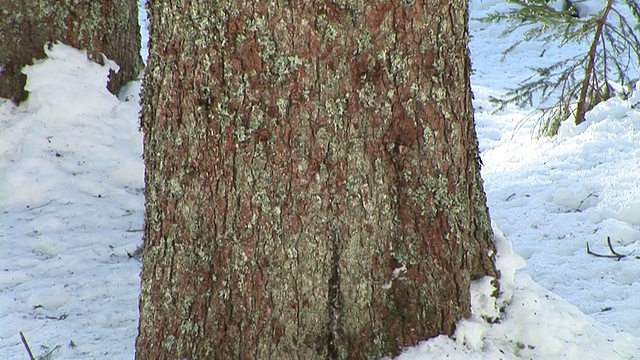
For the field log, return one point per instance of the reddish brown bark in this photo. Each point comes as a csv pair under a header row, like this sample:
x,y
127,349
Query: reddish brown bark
x,y
313,186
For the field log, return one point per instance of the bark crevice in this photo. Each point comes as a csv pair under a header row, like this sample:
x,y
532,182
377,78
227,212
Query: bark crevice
x,y
338,187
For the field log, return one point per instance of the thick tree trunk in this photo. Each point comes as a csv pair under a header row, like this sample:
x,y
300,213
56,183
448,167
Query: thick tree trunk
x,y
313,186
98,26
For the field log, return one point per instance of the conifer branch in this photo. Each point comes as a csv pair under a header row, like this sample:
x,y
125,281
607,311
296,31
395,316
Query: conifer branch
x,y
587,85
573,86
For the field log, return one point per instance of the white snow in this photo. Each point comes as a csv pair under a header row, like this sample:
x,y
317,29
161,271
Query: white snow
x,y
72,208
71,179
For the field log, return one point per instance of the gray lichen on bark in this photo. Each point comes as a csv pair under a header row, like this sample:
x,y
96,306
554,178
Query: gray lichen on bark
x,y
319,160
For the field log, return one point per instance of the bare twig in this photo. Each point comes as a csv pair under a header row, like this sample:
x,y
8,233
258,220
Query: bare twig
x,y
613,251
614,254
601,255
49,353
137,253
39,206
583,200
26,346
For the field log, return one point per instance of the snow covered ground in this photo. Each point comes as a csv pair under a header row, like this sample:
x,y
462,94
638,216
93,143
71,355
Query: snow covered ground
x,y
71,211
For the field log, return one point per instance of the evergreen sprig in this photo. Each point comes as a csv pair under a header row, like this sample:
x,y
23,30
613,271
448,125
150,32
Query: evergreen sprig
x,y
571,87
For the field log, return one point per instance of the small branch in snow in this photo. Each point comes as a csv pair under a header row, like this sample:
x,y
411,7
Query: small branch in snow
x,y
614,254
583,200
26,346
137,253
39,206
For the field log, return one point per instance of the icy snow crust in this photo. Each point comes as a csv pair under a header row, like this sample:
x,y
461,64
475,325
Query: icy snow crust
x,y
72,208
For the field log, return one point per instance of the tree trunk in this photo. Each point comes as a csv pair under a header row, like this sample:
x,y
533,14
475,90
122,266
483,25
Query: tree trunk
x,y
98,26
312,179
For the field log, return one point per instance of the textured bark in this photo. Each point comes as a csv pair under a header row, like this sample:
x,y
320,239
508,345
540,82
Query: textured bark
x,y
98,26
313,186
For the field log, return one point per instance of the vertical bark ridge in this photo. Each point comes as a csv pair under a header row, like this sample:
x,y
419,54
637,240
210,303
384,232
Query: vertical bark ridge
x,y
312,180
335,303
